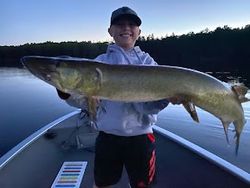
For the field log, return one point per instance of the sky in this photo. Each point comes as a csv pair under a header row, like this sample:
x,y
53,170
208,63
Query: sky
x,y
33,21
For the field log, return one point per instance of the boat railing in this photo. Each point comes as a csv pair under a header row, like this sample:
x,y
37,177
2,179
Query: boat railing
x,y
243,175
19,147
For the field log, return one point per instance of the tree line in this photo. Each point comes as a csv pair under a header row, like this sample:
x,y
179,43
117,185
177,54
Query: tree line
x,y
223,50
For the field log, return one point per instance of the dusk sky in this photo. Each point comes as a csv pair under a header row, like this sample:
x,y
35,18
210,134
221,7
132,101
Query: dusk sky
x,y
33,21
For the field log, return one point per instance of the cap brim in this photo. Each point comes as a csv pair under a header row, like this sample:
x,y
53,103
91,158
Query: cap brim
x,y
134,18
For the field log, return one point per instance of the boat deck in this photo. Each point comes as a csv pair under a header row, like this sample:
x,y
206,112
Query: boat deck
x,y
38,164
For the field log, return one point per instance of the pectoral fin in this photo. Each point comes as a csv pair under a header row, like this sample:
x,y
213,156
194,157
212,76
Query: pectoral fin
x,y
92,107
190,107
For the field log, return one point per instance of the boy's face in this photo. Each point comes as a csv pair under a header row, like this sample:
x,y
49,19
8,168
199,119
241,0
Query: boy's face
x,y
125,33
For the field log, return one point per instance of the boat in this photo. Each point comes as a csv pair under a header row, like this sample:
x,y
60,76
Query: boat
x,y
61,154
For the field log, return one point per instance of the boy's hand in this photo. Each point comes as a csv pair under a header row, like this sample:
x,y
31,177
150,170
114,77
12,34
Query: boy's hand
x,y
175,100
62,95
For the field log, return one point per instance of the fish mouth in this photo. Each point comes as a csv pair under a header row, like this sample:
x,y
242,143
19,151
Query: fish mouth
x,y
42,67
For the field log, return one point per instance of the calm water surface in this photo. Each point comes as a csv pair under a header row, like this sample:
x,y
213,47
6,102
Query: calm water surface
x,y
27,104
209,133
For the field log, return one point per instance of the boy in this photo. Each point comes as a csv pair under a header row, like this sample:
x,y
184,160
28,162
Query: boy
x,y
126,136
125,129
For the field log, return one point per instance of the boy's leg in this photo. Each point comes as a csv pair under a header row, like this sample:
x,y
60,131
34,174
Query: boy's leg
x,y
140,161
108,165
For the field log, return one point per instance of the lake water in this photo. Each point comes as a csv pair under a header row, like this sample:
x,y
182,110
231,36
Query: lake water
x,y
27,104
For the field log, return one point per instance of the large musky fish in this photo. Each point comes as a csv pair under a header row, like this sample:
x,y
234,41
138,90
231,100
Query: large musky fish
x,y
138,83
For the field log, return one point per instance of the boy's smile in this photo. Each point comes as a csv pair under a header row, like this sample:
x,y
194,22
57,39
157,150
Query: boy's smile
x,y
125,33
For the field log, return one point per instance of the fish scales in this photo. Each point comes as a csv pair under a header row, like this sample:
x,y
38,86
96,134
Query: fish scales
x,y
138,83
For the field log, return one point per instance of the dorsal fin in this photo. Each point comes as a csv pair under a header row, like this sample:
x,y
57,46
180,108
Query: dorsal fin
x,y
240,90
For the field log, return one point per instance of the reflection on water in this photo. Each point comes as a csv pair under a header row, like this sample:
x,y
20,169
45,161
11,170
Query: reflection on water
x,y
27,104
209,133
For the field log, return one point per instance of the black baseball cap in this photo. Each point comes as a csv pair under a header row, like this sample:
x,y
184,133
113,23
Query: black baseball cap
x,y
124,12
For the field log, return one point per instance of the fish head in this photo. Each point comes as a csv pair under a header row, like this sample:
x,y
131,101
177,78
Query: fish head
x,y
65,73
77,77
42,67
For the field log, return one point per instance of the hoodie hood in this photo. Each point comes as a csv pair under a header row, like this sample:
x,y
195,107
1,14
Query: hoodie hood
x,y
120,56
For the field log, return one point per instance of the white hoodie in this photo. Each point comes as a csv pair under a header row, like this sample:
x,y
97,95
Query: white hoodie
x,y
127,119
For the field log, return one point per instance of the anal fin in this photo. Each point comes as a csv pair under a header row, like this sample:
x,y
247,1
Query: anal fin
x,y
190,107
225,126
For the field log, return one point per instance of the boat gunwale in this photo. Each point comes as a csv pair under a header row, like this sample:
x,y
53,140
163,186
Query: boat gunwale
x,y
218,161
230,168
33,137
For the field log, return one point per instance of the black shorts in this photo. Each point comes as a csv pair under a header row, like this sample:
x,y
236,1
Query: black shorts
x,y
136,153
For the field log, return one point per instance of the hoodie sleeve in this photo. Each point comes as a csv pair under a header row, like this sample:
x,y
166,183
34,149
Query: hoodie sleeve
x,y
62,95
101,58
